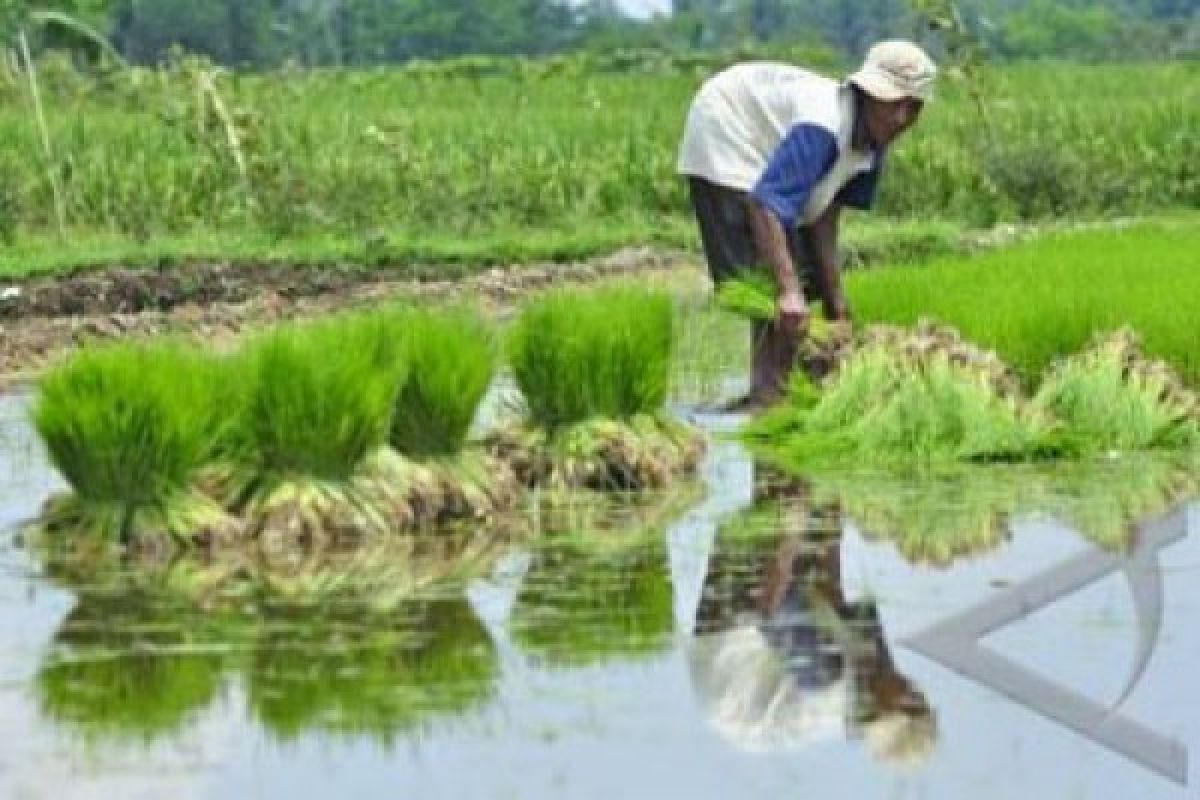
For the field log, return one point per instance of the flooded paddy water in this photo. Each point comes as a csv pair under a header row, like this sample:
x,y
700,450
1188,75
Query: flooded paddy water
x,y
754,636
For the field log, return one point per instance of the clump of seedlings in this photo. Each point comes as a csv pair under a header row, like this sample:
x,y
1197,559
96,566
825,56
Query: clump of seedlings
x,y
429,474
753,295
1112,397
909,397
314,410
128,427
593,368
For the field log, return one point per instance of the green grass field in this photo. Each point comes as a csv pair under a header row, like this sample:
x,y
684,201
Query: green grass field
x,y
405,166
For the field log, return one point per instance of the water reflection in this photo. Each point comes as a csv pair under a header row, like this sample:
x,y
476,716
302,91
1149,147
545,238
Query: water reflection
x,y
143,653
341,674
782,657
598,586
126,668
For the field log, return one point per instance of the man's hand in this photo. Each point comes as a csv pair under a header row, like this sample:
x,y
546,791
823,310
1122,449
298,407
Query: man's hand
x,y
793,313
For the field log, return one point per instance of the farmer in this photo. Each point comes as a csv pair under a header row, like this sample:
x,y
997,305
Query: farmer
x,y
772,154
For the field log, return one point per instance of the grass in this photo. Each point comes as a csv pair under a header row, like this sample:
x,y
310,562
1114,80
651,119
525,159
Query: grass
x,y
451,359
353,165
127,426
578,355
1040,301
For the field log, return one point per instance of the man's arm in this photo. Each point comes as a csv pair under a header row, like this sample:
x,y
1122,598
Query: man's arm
x,y
825,250
771,241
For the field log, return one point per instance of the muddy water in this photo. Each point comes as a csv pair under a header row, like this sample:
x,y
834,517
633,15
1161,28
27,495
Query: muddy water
x,y
770,638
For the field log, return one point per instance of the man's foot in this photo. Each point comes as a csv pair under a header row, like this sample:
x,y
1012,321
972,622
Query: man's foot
x,y
751,402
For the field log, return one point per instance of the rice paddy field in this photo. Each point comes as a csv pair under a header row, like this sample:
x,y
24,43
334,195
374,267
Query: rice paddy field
x,y
399,166
525,549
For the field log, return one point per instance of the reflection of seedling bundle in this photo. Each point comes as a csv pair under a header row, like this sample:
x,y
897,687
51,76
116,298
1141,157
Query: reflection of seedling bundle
x,y
599,589
128,428
927,397
124,668
593,368
329,672
966,511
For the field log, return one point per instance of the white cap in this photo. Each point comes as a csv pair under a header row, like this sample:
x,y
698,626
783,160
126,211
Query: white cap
x,y
894,70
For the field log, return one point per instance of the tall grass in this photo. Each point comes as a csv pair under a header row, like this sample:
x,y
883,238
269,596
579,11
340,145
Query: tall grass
x,y
451,359
127,426
1036,302
579,355
576,152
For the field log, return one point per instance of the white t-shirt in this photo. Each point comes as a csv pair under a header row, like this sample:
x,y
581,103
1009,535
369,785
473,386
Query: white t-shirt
x,y
783,134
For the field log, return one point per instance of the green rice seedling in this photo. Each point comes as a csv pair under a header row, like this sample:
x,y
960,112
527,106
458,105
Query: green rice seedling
x,y
577,355
1111,397
315,411
594,369
128,426
451,360
913,401
1038,302
328,672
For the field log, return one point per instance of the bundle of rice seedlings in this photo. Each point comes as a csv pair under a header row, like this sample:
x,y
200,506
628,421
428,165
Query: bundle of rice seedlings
x,y
1112,397
125,669
924,397
593,368
753,295
328,672
318,404
643,453
128,426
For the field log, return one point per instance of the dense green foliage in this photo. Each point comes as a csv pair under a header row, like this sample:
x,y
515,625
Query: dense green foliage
x,y
1042,300
451,360
605,353
417,165
314,407
343,32
127,426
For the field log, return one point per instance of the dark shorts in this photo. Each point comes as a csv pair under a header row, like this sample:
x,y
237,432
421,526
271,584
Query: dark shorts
x,y
724,219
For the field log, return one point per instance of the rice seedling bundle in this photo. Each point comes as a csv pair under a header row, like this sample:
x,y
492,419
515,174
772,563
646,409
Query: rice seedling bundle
x,y
593,368
1111,397
753,295
128,426
315,410
917,397
451,360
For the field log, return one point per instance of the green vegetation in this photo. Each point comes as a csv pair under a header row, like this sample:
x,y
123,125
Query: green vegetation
x,y
1036,302
451,360
315,408
354,166
604,353
128,427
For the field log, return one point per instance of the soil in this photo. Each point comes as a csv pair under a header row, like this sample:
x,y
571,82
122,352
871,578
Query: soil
x,y
43,319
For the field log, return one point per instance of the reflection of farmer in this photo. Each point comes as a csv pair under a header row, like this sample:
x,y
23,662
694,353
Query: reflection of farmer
x,y
782,659
772,153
